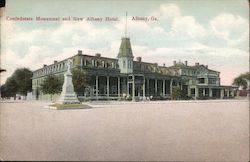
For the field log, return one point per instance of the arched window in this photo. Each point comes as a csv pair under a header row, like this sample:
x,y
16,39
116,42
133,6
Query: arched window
x,y
103,64
124,63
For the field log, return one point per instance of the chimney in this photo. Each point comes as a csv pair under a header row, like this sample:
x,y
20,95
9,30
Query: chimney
x,y
44,65
138,59
206,66
197,63
79,52
174,62
98,55
164,64
186,63
55,61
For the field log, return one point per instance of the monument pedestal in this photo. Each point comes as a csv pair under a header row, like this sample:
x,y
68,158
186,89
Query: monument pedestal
x,y
68,95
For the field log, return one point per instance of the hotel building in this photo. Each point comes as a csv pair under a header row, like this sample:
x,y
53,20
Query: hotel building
x,y
125,77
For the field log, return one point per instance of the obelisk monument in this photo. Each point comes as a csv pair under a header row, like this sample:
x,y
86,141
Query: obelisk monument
x,y
68,95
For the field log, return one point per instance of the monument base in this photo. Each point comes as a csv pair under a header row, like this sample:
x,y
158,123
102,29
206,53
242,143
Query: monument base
x,y
68,99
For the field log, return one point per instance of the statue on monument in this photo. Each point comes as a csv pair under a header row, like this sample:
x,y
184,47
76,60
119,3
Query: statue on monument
x,y
69,64
68,95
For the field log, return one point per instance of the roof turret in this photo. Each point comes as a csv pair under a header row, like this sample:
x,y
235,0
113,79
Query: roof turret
x,y
125,48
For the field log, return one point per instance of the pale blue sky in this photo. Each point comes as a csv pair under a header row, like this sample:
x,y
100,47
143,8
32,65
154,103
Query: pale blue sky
x,y
211,32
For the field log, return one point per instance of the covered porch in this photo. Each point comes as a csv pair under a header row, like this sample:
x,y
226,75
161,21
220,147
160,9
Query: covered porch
x,y
212,92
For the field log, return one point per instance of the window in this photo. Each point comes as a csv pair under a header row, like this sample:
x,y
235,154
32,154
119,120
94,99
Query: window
x,y
201,80
103,64
85,62
211,80
93,63
192,91
124,64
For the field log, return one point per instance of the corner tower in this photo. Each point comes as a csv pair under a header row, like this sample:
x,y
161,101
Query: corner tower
x,y
125,56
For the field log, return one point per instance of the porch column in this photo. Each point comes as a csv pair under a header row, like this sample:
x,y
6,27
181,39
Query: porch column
x,y
210,92
180,86
203,91
189,91
221,93
143,89
163,87
228,93
148,86
127,87
133,89
155,86
96,85
107,86
196,92
233,92
171,87
238,93
118,86
81,61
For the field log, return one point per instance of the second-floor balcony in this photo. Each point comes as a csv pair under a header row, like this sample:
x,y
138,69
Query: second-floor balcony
x,y
137,79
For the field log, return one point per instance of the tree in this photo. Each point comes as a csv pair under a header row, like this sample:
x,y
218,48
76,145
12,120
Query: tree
x,y
79,80
23,79
242,80
10,88
176,93
51,85
3,90
19,82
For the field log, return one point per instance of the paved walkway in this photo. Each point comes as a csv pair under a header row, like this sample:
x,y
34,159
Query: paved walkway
x,y
167,131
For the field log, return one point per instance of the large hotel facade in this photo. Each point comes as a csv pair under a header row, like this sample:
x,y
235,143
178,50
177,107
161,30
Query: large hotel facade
x,y
127,78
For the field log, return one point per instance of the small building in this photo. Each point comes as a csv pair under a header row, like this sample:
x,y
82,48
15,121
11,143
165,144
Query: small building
x,y
130,78
243,93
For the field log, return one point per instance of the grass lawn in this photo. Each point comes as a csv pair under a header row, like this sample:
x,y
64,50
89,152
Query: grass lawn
x,y
64,106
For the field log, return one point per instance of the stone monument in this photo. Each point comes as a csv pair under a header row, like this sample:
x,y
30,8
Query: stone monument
x,y
68,95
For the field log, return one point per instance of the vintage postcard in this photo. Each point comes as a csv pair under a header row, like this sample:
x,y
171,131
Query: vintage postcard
x,y
109,80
